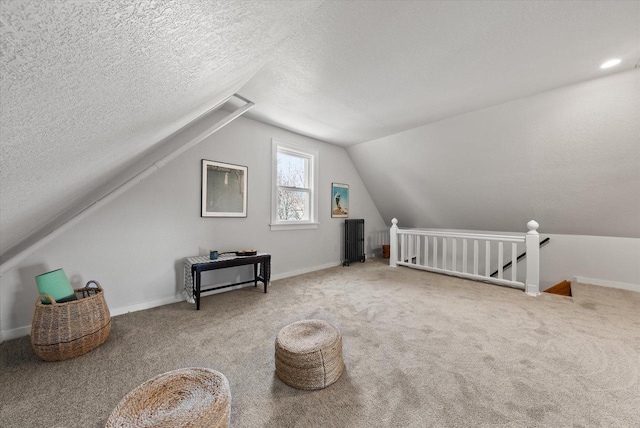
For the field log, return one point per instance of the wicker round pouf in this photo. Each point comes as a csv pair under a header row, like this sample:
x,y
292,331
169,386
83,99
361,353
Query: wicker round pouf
x,y
309,354
191,397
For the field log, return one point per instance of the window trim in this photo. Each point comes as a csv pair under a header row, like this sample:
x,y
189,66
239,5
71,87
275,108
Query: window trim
x,y
313,156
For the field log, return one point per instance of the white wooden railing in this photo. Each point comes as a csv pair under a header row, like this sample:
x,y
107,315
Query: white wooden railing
x,y
438,251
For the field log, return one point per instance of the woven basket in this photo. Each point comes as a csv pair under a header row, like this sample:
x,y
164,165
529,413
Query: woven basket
x,y
190,397
60,331
309,354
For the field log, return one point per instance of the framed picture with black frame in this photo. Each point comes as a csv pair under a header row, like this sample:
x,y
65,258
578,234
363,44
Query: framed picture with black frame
x,y
339,200
224,189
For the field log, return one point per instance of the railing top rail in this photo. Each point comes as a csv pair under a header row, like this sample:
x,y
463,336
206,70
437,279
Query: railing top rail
x,y
479,236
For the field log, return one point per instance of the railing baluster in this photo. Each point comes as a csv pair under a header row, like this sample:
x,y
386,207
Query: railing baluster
x,y
475,256
426,250
464,256
410,242
487,258
418,249
402,247
444,253
514,261
500,258
435,251
410,248
454,254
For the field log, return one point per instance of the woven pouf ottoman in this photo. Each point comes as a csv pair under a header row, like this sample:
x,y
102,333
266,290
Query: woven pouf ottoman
x,y
309,354
191,397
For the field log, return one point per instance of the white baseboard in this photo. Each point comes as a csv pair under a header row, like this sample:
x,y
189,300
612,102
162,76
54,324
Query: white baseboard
x,y
146,305
15,333
605,283
305,270
24,331
312,269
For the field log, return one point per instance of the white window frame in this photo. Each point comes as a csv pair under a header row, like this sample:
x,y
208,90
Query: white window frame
x,y
313,156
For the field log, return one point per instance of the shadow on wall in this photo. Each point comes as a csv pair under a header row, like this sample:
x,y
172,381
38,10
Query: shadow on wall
x,y
179,271
78,282
375,241
27,294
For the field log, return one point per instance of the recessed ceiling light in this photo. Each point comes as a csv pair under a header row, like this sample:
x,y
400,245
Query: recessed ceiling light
x,y
610,63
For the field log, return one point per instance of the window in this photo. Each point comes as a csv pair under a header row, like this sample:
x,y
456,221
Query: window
x,y
294,177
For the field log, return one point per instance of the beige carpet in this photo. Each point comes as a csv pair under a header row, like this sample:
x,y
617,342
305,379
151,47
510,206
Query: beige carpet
x,y
421,350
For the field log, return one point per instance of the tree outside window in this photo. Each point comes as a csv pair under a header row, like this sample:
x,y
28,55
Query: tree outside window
x,y
294,175
293,187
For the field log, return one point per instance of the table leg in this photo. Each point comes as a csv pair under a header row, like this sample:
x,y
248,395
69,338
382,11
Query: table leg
x,y
197,296
255,274
193,285
265,270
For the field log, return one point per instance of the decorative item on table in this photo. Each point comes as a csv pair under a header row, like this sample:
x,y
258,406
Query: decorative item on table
x,y
251,252
55,284
213,254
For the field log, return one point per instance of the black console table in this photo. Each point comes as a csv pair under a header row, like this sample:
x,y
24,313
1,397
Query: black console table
x,y
202,264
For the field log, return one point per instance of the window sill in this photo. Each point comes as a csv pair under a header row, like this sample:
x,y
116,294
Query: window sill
x,y
294,226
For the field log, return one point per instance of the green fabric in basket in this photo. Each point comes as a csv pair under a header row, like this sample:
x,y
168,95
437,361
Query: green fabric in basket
x,y
57,285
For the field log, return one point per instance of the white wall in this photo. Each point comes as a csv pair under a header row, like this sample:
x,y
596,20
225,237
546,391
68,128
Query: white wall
x,y
568,158
135,245
600,260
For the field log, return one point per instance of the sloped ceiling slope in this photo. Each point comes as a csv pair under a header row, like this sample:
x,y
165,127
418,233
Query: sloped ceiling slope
x,y
568,158
363,70
473,115
88,85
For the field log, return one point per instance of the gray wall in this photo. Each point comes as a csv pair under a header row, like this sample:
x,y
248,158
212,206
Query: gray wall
x,y
568,158
134,246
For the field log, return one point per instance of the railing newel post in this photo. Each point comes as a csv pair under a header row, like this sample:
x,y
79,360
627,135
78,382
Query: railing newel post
x,y
532,243
393,243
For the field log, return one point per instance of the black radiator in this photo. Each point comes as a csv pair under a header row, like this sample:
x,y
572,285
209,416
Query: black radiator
x,y
353,241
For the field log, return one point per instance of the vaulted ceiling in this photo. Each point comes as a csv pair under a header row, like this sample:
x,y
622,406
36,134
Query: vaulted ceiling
x,y
87,86
359,71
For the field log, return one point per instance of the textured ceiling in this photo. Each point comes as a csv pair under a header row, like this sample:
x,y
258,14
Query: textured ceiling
x,y
87,86
363,70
